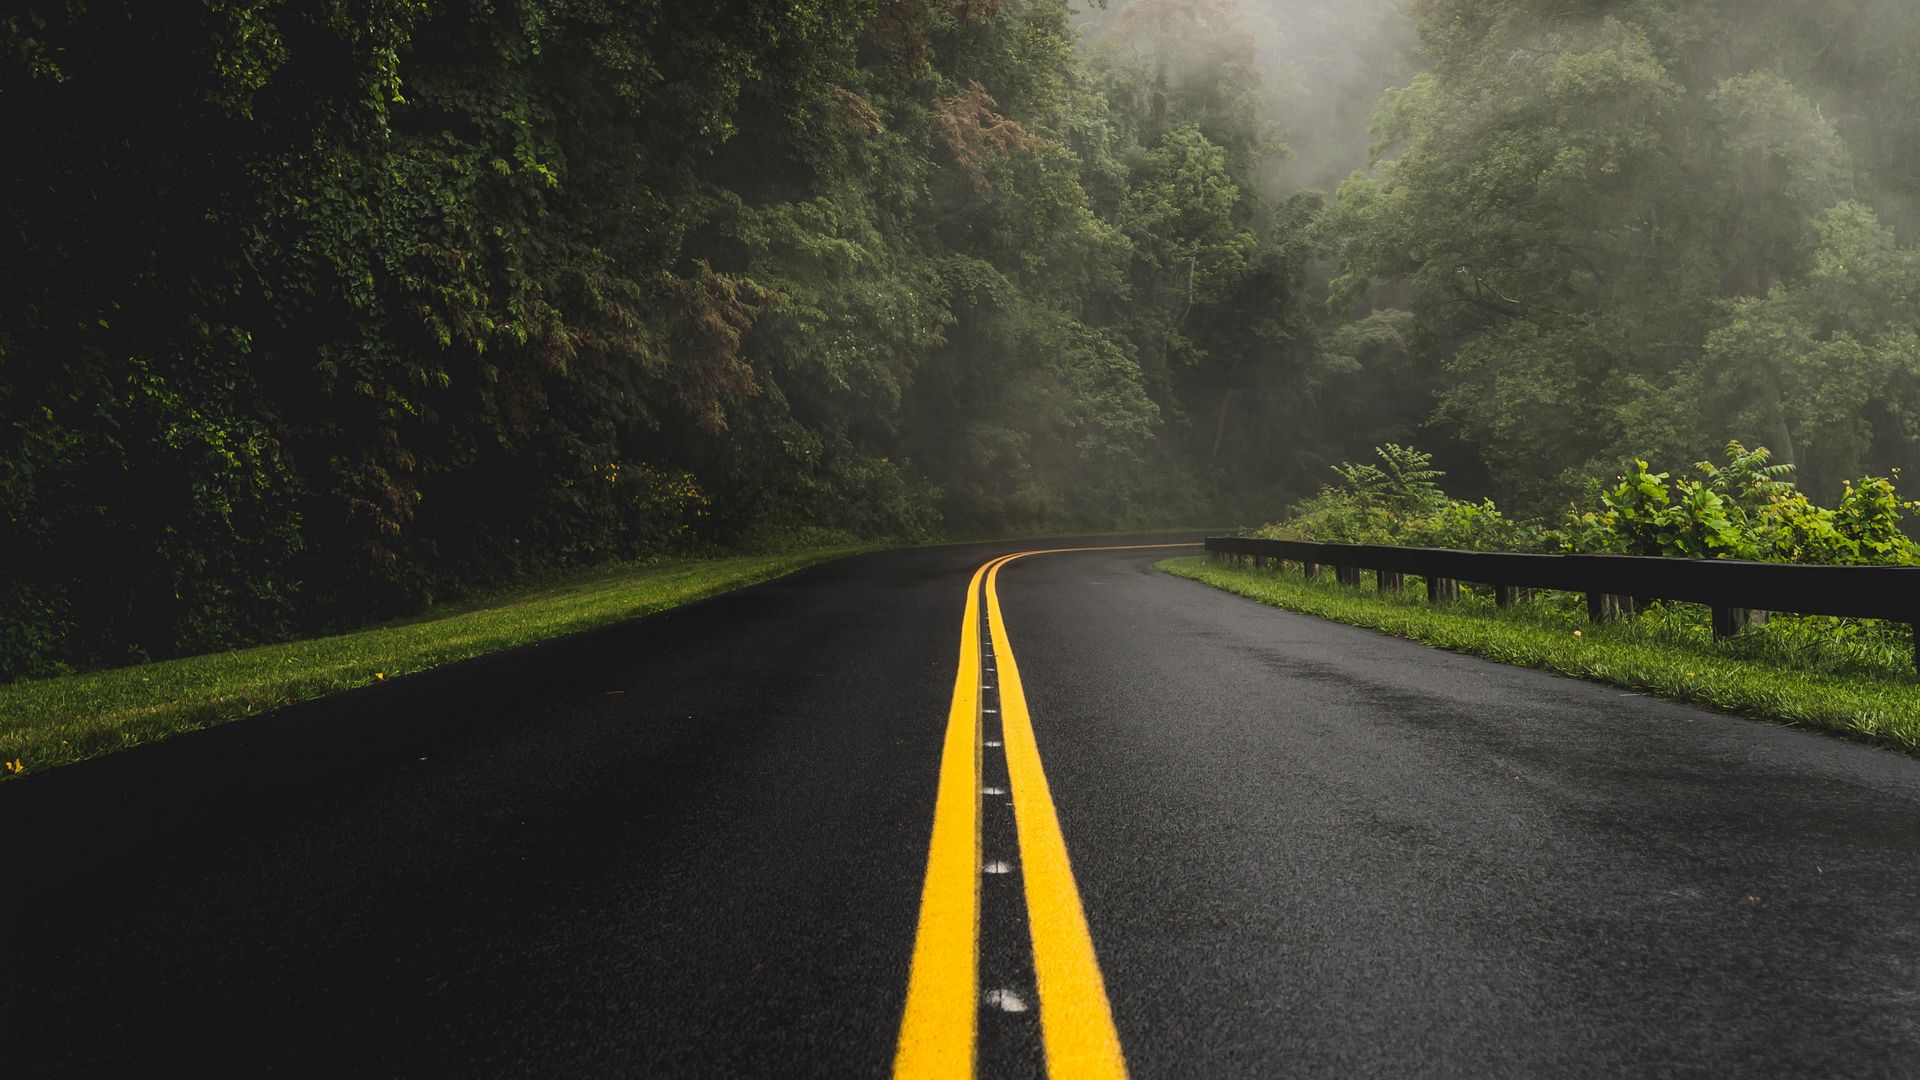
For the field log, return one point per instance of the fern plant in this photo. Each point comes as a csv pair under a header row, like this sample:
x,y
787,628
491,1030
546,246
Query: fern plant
x,y
1405,481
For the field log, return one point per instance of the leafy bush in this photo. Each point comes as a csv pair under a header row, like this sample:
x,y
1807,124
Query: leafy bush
x,y
1399,501
1746,509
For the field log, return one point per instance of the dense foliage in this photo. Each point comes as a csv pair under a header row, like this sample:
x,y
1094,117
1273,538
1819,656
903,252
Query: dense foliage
x,y
1649,227
1748,508
319,309
1745,509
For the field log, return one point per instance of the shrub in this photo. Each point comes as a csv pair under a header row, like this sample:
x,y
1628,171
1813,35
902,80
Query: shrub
x,y
1399,501
1746,509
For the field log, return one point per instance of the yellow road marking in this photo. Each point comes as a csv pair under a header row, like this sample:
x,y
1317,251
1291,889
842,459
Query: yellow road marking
x,y
1076,1021
939,1030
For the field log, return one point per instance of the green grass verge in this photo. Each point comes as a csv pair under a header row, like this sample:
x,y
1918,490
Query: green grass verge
x,y
1859,689
49,722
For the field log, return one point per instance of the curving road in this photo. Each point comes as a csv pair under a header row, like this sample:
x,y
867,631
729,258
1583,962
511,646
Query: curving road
x,y
699,845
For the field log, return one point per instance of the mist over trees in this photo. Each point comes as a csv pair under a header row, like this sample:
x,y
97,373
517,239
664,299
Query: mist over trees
x,y
1649,228
316,312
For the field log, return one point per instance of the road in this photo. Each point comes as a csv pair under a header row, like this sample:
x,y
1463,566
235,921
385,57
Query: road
x,y
708,843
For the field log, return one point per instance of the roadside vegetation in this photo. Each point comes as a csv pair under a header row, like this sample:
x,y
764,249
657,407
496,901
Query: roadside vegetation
x,y
49,722
1747,508
1857,681
1849,675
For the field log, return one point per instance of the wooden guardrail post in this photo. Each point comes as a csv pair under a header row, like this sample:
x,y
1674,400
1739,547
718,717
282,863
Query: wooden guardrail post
x,y
1346,574
1442,590
1390,581
1508,595
1309,570
1605,607
1728,621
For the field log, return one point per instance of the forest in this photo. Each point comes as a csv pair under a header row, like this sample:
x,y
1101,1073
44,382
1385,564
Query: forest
x,y
316,311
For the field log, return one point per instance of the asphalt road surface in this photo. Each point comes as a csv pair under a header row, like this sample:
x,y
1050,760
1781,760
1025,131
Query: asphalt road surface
x,y
699,845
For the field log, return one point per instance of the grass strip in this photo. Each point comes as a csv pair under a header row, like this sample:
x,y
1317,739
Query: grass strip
x,y
1650,655
50,722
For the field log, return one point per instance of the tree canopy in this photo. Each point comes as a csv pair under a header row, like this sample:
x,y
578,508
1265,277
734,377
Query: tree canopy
x,y
318,310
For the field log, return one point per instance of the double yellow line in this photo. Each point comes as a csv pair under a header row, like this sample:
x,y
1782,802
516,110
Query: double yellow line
x,y
939,1031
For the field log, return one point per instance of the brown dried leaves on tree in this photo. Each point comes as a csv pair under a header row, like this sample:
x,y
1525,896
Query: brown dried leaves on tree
x,y
857,112
971,129
707,314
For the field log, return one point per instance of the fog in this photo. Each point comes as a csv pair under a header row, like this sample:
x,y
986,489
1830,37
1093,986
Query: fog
x,y
1322,67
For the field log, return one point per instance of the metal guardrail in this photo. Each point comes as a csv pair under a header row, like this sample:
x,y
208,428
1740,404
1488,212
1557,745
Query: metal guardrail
x,y
1615,585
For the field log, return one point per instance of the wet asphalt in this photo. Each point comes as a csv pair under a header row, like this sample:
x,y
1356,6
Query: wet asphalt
x,y
692,845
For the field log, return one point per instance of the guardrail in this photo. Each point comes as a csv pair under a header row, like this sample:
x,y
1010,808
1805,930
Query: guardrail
x,y
1739,592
